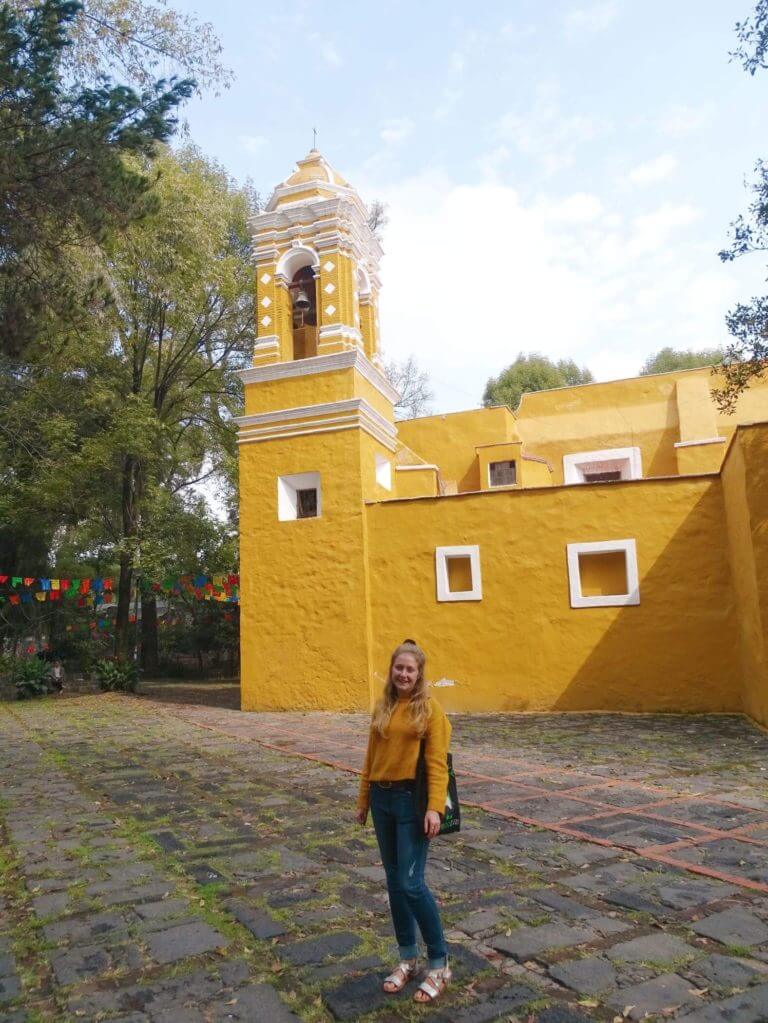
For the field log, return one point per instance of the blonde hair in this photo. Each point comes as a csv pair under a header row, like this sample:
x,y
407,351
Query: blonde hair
x,y
418,705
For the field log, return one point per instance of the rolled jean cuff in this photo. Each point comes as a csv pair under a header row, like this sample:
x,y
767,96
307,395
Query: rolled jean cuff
x,y
437,962
407,952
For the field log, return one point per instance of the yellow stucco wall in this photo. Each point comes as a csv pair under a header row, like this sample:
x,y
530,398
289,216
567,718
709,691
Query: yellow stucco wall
x,y
745,485
304,584
522,647
449,441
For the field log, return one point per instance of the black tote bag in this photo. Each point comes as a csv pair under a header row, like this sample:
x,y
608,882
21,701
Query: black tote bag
x,y
450,819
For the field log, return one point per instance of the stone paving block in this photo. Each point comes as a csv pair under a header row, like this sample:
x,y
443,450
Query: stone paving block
x,y
316,950
51,903
482,920
187,939
526,942
652,948
589,976
564,906
734,926
162,909
260,924
348,967
690,892
10,988
354,998
667,991
725,971
561,1014
7,964
89,928
257,1003
498,1006
180,1014
80,964
167,841
748,1007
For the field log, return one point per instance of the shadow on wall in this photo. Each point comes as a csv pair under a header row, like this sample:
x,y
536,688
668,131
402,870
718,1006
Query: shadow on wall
x,y
694,638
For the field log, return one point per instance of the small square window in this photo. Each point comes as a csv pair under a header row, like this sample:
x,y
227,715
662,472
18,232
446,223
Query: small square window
x,y
502,474
602,477
306,503
603,574
605,466
384,472
457,570
299,496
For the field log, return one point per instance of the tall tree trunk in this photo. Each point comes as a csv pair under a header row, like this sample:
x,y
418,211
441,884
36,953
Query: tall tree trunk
x,y
150,653
129,511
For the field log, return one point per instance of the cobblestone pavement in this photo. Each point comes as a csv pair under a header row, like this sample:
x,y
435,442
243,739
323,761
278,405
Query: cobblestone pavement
x,y
178,864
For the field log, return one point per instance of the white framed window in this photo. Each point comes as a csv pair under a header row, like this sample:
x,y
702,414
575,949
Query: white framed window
x,y
502,474
457,570
383,472
603,574
298,496
603,466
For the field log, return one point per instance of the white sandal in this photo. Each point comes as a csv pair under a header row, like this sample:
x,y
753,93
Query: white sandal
x,y
399,977
433,985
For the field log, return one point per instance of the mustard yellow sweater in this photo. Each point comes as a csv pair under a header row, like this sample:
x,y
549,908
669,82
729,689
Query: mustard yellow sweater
x,y
394,758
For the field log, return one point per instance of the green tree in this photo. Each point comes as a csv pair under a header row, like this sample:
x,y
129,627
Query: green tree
x,y
746,356
182,324
133,39
532,372
668,359
64,181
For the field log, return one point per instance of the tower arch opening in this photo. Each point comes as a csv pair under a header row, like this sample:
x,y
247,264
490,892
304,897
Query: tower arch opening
x,y
298,269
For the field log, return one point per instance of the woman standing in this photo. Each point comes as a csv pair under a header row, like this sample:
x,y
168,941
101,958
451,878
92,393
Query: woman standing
x,y
403,717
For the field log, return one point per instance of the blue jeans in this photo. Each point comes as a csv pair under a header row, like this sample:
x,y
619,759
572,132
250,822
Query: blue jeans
x,y
404,846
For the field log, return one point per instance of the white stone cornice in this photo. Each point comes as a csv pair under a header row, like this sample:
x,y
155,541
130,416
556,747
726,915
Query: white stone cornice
x,y
695,443
354,359
327,417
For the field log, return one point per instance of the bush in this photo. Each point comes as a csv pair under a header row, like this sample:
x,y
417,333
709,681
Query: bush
x,y
117,676
30,676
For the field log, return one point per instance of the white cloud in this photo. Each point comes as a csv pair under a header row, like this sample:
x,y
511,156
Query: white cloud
x,y
253,144
548,136
595,18
679,121
474,274
396,131
651,171
331,55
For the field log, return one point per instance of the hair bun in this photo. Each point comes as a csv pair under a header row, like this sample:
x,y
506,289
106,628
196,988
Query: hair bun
x,y
411,641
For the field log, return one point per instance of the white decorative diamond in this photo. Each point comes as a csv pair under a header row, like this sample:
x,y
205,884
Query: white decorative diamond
x,y
329,289
328,265
266,320
330,309
266,301
265,278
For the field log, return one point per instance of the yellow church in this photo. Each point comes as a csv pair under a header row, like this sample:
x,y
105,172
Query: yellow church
x,y
603,548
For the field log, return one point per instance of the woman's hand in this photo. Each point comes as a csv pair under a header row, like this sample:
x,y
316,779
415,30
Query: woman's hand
x,y
431,823
361,816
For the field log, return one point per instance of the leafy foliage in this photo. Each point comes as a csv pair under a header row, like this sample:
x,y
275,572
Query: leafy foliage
x,y
133,39
30,676
117,676
412,384
746,356
668,359
532,372
752,34
63,178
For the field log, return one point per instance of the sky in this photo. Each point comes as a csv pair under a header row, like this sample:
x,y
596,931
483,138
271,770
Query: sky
x,y
559,175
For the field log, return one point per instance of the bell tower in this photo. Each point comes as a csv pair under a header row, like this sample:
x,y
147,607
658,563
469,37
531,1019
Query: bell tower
x,y
317,263
316,442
